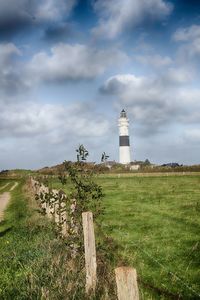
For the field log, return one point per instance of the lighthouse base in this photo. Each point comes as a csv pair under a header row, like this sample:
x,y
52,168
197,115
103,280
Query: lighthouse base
x,y
124,155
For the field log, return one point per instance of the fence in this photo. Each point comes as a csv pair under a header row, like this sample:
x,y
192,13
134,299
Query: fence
x,y
53,204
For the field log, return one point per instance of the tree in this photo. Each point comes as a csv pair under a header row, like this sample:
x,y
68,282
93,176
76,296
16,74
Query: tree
x,y
82,153
104,157
85,194
147,162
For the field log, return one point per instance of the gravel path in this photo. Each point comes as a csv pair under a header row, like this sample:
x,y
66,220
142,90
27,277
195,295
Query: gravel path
x,y
4,199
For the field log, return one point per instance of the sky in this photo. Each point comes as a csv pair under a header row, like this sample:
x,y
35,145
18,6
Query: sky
x,y
68,67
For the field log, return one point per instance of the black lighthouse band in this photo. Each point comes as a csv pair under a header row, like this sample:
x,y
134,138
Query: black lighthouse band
x,y
124,140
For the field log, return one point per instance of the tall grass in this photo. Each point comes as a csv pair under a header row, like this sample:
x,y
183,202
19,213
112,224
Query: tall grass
x,y
35,261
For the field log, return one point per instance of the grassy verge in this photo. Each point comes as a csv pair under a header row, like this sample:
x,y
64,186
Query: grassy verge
x,y
35,262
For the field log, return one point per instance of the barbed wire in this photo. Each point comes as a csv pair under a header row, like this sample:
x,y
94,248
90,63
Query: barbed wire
x,y
170,272
166,270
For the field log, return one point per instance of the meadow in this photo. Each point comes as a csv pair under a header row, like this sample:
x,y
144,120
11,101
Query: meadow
x,y
150,222
155,221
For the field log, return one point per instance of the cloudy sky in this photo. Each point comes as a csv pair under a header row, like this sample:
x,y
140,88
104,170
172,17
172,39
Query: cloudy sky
x,y
68,67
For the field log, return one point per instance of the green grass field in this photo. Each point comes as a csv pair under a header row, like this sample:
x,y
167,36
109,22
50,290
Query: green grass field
x,y
156,223
156,220
153,220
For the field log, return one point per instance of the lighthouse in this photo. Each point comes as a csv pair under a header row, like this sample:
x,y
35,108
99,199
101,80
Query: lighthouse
x,y
124,143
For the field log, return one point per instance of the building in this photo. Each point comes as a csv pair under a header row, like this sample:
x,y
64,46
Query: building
x,y
124,142
135,167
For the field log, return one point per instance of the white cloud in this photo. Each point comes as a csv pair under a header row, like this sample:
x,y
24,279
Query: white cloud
x,y
155,60
11,80
187,34
8,50
189,49
119,83
177,76
34,134
52,10
72,62
119,15
53,122
156,102
25,10
20,15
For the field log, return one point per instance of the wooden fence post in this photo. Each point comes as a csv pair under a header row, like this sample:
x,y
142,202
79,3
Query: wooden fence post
x,y
64,221
56,214
90,252
126,279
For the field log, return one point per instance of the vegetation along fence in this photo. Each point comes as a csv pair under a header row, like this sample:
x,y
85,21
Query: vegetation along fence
x,y
55,205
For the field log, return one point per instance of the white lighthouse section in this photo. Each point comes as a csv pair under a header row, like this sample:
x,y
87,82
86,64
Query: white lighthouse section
x,y
124,155
124,144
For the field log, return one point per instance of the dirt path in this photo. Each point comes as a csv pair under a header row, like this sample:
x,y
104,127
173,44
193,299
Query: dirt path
x,y
4,199
1,188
